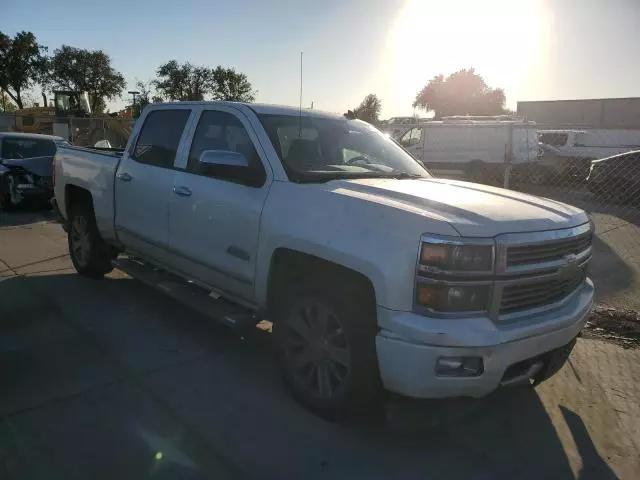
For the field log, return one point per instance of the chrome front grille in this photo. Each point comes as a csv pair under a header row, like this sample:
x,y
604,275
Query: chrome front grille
x,y
544,252
538,294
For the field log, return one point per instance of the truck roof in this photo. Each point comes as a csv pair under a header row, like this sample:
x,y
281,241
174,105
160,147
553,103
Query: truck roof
x,y
261,108
34,136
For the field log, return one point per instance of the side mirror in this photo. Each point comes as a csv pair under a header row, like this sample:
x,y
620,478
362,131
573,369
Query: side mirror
x,y
222,158
232,166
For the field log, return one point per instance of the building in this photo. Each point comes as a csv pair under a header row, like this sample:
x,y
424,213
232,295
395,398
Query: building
x,y
589,113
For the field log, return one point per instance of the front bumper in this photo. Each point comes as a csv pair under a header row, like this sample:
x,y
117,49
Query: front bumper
x,y
409,345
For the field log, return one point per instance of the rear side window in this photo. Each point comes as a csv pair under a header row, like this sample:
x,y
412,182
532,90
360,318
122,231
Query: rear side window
x,y
14,148
554,139
158,141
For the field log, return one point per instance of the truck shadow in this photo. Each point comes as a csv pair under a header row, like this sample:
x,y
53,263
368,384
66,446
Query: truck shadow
x,y
224,385
24,216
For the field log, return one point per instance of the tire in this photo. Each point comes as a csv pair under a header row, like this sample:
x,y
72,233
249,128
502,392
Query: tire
x,y
324,335
6,204
537,176
476,172
90,254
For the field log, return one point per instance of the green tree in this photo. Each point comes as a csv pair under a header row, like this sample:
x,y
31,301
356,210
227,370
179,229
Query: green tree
x,y
369,110
461,93
6,104
88,71
22,63
227,84
183,82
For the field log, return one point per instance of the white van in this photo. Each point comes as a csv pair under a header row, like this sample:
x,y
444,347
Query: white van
x,y
478,149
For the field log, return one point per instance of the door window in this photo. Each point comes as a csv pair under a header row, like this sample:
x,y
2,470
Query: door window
x,y
159,138
222,131
412,137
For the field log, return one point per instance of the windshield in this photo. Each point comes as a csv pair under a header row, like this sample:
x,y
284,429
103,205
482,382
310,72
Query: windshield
x,y
317,149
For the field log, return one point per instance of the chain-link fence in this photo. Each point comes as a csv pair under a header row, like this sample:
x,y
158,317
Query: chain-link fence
x,y
596,170
86,132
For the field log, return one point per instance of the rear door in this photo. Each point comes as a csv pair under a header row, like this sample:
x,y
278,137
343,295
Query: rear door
x,y
144,182
215,219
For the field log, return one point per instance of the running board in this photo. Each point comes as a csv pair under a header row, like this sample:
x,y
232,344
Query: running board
x,y
200,299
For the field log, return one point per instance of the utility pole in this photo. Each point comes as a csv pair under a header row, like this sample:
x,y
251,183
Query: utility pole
x,y
133,107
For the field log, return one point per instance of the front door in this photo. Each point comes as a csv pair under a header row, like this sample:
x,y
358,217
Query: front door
x,y
413,141
215,219
144,183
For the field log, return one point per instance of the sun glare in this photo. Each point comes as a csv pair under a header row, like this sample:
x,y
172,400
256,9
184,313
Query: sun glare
x,y
501,39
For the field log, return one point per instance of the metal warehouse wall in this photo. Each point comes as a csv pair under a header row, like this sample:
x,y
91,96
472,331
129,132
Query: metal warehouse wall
x,y
595,113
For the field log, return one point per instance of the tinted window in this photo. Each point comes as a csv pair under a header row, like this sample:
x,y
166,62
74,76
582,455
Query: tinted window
x,y
13,148
159,138
224,132
554,139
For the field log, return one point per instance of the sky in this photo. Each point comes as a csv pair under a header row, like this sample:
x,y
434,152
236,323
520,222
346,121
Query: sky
x,y
533,49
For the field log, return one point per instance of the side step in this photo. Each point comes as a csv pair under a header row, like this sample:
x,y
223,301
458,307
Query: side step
x,y
194,296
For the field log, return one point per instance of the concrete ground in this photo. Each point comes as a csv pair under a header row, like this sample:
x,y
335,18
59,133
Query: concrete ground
x,y
109,379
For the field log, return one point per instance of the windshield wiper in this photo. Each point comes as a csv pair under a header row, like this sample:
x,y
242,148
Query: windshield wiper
x,y
404,176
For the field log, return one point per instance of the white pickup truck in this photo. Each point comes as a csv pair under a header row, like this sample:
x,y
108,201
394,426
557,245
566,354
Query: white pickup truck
x,y
375,274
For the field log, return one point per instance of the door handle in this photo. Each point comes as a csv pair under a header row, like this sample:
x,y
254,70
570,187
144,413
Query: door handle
x,y
182,191
124,176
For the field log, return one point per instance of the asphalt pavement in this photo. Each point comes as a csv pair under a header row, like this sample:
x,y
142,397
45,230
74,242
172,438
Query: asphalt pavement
x,y
108,379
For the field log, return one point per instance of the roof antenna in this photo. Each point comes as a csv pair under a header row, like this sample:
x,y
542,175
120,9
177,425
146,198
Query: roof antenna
x,y
300,111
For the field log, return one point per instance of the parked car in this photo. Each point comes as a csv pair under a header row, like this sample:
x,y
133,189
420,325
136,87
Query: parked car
x,y
374,274
567,154
26,168
616,178
475,149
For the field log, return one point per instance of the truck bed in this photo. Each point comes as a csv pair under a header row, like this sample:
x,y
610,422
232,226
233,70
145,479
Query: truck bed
x,y
92,169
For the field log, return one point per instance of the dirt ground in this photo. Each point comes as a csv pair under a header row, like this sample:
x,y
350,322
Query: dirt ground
x,y
110,379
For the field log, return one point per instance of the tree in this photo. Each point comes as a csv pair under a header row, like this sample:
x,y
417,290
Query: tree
x,y
22,63
88,71
183,82
6,104
461,93
189,82
227,84
368,110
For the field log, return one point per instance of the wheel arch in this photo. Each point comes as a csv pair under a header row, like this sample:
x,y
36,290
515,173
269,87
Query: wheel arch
x,y
289,265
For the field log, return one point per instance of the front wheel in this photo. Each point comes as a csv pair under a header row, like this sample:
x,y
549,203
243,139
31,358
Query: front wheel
x,y
90,254
325,341
6,202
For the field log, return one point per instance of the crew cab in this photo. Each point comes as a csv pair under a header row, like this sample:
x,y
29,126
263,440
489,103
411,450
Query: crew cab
x,y
374,274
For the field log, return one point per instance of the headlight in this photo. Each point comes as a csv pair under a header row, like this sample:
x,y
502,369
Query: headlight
x,y
446,299
471,258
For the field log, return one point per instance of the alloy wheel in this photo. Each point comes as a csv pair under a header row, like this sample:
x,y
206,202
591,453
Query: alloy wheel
x,y
80,242
317,350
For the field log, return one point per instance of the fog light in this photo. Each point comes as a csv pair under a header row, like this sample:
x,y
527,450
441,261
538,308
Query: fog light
x,y
459,366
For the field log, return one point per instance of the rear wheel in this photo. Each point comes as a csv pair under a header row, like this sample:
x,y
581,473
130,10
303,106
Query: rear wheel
x,y
90,254
325,340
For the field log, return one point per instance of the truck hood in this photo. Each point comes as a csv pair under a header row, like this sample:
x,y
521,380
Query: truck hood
x,y
472,209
